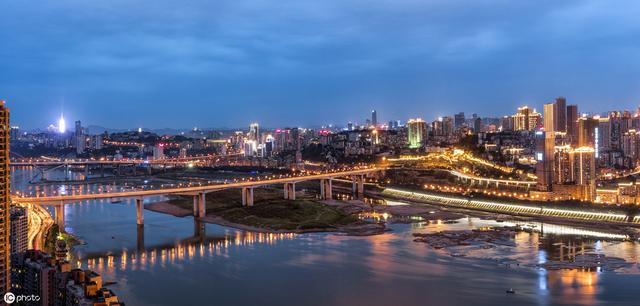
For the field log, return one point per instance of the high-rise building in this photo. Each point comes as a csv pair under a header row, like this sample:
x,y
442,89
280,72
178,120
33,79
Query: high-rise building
x,y
254,132
572,123
448,127
585,172
80,139
563,165
550,117
544,154
458,120
477,125
587,130
417,133
374,118
560,115
526,119
158,151
19,235
4,199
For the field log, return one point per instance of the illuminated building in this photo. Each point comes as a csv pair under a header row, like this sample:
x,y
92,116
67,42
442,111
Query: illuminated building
x,y
80,139
250,148
374,118
544,154
158,151
4,199
563,165
585,171
526,119
19,236
448,127
417,133
572,123
550,118
254,132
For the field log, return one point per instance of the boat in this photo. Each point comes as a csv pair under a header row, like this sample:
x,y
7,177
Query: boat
x,y
511,291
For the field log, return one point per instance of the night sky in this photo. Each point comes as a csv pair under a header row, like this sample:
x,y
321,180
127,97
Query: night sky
x,y
182,64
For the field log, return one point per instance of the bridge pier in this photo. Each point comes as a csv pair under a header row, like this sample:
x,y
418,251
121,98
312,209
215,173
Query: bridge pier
x,y
140,211
140,236
326,186
290,191
358,185
59,211
86,172
202,205
247,196
66,172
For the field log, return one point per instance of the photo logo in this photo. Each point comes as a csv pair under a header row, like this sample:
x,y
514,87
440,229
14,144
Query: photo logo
x,y
9,298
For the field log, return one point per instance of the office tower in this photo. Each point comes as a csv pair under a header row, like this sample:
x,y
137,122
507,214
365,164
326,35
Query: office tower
x,y
374,118
560,115
19,234
96,142
4,199
436,127
417,133
544,153
506,123
550,118
572,123
459,120
254,132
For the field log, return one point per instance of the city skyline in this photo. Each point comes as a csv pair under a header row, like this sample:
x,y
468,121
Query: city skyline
x,y
401,59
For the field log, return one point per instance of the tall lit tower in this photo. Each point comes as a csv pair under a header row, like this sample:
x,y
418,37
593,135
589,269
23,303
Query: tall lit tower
x,y
254,132
374,118
4,198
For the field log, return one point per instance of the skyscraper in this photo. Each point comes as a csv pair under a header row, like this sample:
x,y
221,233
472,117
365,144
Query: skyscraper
x,y
550,111
4,198
560,116
80,140
458,120
417,133
544,154
254,132
374,118
572,123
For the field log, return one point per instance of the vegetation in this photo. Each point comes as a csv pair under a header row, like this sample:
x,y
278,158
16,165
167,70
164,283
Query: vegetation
x,y
271,211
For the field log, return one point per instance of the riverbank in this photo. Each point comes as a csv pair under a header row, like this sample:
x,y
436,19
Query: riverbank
x,y
272,214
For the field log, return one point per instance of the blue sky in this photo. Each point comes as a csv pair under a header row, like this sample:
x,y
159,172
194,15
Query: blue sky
x,y
122,63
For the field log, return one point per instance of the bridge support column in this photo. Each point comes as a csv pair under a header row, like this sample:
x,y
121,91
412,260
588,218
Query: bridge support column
x,y
326,186
101,170
202,205
66,172
139,211
59,211
86,171
247,196
358,185
290,191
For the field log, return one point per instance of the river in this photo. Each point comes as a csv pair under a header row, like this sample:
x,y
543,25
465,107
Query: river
x,y
174,261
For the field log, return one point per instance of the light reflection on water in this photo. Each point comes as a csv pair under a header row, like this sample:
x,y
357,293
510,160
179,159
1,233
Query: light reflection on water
x,y
175,261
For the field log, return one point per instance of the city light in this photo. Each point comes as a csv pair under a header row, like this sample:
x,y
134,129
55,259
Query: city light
x,y
62,125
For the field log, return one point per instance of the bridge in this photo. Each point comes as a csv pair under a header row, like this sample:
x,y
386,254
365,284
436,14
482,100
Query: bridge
x,y
199,193
118,164
46,162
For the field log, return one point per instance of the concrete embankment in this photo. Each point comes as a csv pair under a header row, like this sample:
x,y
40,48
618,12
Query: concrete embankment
x,y
512,208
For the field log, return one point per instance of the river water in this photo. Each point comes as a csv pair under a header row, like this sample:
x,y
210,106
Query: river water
x,y
175,261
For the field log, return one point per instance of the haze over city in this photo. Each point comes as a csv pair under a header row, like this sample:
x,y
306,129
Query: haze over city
x,y
227,63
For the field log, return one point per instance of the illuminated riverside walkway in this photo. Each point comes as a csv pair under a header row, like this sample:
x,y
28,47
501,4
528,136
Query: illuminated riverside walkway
x,y
357,175
84,162
511,208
